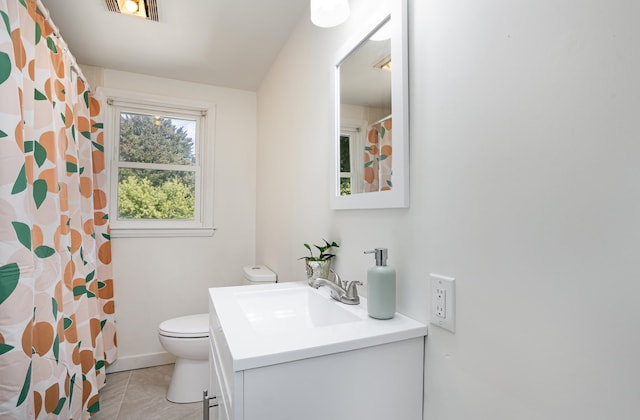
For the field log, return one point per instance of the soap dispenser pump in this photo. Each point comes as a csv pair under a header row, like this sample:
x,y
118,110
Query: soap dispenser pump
x,y
381,287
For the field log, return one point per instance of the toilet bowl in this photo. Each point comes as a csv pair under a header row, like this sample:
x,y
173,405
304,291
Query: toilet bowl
x,y
187,338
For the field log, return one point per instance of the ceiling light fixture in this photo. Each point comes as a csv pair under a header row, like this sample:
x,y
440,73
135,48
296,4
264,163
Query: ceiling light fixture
x,y
328,13
131,6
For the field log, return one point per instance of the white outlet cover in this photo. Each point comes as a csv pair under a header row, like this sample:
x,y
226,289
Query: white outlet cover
x,y
448,321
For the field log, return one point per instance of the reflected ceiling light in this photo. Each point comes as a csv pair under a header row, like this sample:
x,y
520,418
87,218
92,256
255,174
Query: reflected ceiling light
x,y
131,6
384,64
328,13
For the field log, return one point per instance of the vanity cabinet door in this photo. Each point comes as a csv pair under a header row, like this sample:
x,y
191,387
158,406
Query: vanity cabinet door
x,y
375,383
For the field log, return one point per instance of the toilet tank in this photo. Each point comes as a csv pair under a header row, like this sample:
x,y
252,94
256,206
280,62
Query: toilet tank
x,y
258,274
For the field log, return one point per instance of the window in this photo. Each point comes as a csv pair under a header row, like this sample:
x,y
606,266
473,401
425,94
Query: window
x,y
351,147
346,177
158,169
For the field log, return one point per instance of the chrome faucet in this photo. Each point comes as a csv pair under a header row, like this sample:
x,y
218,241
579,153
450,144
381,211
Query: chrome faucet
x,y
342,291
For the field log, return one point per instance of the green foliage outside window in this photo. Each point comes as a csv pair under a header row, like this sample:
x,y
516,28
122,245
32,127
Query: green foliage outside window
x,y
155,193
138,198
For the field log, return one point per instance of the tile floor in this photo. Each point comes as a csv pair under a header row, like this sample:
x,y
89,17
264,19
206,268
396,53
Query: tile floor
x,y
141,394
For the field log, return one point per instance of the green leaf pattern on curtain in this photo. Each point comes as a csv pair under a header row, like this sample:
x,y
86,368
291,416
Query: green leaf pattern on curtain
x,y
377,157
57,328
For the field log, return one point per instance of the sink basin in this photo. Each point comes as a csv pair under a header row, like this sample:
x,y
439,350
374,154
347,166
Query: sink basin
x,y
276,311
276,323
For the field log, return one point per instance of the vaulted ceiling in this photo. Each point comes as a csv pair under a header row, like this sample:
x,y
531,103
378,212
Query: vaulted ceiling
x,y
228,43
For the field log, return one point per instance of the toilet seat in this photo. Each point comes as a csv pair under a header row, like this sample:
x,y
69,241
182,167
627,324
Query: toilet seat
x,y
191,326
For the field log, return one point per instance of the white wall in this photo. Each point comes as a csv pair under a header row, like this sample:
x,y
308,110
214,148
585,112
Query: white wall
x,y
525,170
160,278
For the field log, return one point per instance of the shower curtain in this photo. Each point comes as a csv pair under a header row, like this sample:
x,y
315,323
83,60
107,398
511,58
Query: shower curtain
x,y
378,156
57,330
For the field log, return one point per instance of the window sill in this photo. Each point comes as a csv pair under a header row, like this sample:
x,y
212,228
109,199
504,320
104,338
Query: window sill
x,y
161,232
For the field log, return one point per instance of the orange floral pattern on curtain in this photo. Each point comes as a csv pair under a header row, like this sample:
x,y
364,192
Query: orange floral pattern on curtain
x,y
377,157
57,327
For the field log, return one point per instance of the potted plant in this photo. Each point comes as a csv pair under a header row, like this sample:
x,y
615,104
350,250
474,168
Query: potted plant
x,y
319,266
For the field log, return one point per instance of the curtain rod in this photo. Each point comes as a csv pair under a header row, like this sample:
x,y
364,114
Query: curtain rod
x,y
65,48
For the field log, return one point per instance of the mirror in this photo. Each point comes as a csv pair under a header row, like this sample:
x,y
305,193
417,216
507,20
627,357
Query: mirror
x,y
370,159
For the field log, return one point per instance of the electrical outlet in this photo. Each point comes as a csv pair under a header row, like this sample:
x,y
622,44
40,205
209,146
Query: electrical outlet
x,y
443,312
441,302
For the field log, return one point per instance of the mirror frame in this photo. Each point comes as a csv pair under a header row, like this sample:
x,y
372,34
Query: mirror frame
x,y
398,196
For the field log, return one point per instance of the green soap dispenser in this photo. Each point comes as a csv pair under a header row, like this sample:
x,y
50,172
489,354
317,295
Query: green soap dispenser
x,y
381,287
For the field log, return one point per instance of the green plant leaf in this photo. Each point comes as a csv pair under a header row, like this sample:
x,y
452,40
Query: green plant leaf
x,y
99,364
367,164
66,323
86,134
7,23
86,98
39,191
5,67
40,153
98,125
25,387
44,251
382,131
3,134
23,3
5,348
9,277
90,276
23,232
383,157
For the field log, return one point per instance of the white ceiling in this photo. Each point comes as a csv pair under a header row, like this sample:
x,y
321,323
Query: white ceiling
x,y
229,43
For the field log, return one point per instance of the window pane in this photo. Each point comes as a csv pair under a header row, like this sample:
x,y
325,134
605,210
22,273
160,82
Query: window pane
x,y
345,155
345,186
156,194
157,139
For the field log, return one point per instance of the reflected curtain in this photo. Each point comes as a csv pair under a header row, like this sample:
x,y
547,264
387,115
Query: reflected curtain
x,y
377,157
57,329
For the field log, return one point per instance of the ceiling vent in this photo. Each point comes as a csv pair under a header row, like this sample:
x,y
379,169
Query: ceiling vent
x,y
147,9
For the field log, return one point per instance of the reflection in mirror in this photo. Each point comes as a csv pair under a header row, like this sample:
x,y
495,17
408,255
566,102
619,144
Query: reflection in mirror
x,y
365,94
370,159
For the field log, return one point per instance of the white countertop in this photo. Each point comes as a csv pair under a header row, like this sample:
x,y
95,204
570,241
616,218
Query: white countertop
x,y
254,344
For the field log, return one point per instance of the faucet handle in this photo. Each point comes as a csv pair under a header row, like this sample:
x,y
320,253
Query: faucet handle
x,y
352,290
336,278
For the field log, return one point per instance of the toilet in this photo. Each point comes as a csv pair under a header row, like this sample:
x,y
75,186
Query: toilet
x,y
187,338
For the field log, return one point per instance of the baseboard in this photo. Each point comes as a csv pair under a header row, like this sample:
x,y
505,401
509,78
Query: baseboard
x,y
141,361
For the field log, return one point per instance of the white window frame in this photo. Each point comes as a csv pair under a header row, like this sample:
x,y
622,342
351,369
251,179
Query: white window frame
x,y
356,130
117,102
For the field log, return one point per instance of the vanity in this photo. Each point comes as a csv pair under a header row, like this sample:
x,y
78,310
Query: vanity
x,y
288,351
